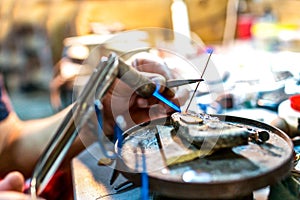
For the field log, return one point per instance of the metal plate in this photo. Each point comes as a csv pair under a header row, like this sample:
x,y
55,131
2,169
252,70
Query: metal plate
x,y
227,173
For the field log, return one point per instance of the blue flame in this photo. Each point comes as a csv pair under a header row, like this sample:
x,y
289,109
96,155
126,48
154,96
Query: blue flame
x,y
165,100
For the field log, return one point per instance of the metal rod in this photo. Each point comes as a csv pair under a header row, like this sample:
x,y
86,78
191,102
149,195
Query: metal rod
x,y
160,146
210,53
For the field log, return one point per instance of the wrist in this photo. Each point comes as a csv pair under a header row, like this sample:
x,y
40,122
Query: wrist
x,y
10,129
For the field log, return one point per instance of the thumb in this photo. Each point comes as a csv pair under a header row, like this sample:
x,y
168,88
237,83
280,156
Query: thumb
x,y
12,181
10,195
158,79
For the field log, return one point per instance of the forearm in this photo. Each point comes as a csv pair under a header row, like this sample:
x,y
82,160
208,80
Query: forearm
x,y
26,142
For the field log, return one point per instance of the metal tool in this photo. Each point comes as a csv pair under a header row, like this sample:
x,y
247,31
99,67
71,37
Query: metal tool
x,y
103,76
177,83
170,84
210,53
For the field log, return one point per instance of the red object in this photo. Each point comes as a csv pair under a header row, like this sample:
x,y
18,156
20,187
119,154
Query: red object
x,y
59,187
244,25
295,102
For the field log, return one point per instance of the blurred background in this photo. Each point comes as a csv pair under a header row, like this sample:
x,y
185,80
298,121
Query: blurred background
x,y
256,48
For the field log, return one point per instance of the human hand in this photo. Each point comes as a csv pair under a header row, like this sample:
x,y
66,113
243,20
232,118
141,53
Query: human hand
x,y
122,100
14,181
11,187
12,195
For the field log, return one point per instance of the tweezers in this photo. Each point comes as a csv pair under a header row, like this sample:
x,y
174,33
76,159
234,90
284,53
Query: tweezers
x,y
176,83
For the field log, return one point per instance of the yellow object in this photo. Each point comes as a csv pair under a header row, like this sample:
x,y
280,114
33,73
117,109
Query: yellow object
x,y
188,157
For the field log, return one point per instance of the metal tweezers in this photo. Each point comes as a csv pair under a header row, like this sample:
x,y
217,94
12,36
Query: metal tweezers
x,y
176,83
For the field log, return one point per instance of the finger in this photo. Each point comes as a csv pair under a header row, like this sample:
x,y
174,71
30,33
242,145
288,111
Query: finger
x,y
10,195
142,103
147,114
158,79
120,89
13,181
151,66
169,92
146,103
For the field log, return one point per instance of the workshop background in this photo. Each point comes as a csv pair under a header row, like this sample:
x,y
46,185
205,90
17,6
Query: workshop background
x,y
256,51
34,39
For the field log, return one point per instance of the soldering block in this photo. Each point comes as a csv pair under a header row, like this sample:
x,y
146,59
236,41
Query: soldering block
x,y
208,132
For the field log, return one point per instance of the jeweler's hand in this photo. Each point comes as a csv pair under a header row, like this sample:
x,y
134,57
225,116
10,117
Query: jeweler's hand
x,y
11,187
13,181
11,195
122,100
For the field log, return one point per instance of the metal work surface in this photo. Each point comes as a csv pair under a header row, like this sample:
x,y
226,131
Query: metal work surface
x,y
92,182
227,173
